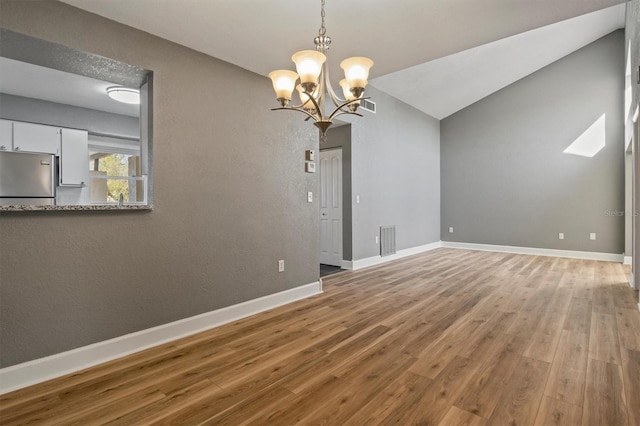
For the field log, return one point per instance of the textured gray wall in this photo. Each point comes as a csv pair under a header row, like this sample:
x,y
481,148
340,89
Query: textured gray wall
x,y
395,160
340,137
230,192
505,179
55,114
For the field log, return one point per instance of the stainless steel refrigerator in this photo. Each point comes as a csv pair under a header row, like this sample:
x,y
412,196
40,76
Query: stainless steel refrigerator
x,y
27,178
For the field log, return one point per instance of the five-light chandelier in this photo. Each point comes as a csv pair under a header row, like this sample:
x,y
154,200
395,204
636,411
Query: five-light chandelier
x,y
315,84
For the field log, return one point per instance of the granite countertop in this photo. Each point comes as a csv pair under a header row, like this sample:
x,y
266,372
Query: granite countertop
x,y
89,207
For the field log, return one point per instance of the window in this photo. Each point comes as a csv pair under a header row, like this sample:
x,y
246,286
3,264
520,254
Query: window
x,y
115,170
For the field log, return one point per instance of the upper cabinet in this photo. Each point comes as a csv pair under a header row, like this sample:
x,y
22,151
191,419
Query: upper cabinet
x,y
36,138
74,157
6,135
70,145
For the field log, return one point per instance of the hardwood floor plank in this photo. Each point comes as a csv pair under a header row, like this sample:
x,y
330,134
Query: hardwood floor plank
x,y
443,337
579,316
554,412
437,399
173,402
361,390
521,395
631,379
628,323
458,417
604,399
603,340
482,394
436,356
399,396
569,368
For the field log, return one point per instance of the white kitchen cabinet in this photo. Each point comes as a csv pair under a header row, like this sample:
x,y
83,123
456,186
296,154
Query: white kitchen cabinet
x,y
36,138
74,157
6,135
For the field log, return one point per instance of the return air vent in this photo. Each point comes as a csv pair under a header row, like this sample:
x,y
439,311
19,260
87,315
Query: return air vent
x,y
387,240
368,105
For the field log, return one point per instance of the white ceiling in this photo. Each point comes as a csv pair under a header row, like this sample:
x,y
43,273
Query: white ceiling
x,y
33,81
261,35
446,85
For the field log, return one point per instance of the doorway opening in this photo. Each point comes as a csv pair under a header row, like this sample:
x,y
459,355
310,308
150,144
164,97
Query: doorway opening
x,y
335,200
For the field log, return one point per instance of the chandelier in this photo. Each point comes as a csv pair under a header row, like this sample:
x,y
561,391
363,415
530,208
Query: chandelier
x,y
315,84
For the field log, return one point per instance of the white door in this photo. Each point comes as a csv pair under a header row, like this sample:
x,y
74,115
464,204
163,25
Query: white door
x,y
331,207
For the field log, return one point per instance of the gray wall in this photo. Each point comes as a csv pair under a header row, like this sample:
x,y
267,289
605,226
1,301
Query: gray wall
x,y
395,161
55,114
340,137
505,178
230,192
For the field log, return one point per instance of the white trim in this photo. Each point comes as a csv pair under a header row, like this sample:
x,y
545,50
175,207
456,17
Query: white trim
x,y
628,260
610,257
347,264
39,370
376,260
632,282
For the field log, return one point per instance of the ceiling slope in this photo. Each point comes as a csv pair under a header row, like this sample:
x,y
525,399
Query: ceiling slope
x,y
446,85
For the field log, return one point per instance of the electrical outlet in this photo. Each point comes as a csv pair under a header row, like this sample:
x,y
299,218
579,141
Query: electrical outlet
x,y
280,265
377,239
592,236
451,229
310,197
561,236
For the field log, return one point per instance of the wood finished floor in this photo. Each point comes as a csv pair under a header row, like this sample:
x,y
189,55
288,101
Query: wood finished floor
x,y
443,338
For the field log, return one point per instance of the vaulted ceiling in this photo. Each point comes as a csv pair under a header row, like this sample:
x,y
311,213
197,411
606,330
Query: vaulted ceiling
x,y
437,55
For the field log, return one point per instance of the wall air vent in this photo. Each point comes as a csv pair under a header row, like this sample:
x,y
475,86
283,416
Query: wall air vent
x,y
368,105
387,240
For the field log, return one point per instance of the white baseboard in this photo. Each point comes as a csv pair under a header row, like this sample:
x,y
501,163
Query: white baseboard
x,y
376,260
610,257
39,370
632,281
347,264
628,260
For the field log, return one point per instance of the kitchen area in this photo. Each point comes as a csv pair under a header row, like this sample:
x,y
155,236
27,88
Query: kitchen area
x,y
69,140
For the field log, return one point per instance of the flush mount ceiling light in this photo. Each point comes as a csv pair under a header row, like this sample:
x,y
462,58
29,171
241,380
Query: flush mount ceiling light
x,y
124,94
315,84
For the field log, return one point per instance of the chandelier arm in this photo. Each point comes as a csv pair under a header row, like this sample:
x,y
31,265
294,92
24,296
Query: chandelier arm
x,y
339,111
315,103
335,99
302,110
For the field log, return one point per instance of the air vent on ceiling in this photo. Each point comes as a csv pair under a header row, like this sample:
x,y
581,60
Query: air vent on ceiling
x,y
368,105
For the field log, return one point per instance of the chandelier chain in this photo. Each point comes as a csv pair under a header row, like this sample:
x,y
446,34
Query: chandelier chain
x,y
322,31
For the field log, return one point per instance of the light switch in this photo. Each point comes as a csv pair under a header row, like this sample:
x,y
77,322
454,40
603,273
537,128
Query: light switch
x,y
310,197
561,236
310,167
310,155
592,236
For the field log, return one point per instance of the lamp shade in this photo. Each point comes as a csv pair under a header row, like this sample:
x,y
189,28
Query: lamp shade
x,y
309,64
356,71
284,81
348,96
